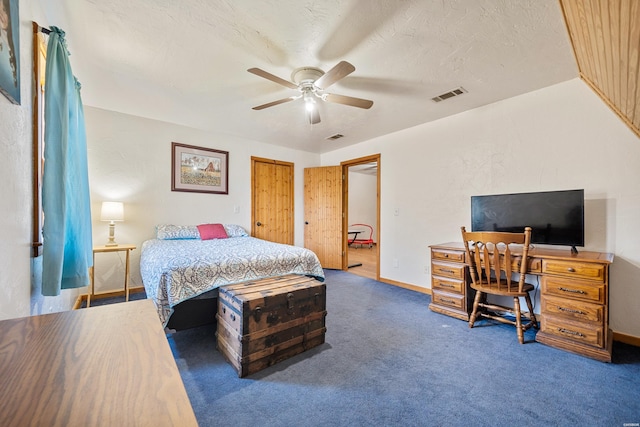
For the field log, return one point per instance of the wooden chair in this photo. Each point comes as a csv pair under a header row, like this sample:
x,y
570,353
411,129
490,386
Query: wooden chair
x,y
491,266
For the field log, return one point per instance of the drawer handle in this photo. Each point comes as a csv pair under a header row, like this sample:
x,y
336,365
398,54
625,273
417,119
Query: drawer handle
x,y
573,291
568,332
289,301
570,310
446,285
446,255
448,301
257,313
447,271
571,270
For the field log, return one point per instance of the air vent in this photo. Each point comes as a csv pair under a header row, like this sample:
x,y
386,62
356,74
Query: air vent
x,y
336,136
450,94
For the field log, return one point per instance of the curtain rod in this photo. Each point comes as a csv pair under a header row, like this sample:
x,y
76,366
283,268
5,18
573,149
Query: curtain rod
x,y
40,29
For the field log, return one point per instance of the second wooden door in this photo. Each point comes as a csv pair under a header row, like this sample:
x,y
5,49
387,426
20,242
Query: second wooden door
x,y
323,214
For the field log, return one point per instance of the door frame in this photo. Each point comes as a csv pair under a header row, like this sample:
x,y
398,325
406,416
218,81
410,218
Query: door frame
x,y
345,206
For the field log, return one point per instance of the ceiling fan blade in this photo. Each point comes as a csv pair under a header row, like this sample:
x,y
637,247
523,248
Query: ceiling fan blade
x,y
341,70
278,102
269,76
313,115
348,100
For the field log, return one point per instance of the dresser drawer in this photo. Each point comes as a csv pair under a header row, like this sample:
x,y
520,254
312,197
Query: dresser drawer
x,y
447,255
580,290
455,271
448,285
535,264
577,332
449,300
580,270
573,310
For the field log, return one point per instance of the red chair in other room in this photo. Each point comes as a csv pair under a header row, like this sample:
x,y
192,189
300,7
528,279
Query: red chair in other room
x,y
360,232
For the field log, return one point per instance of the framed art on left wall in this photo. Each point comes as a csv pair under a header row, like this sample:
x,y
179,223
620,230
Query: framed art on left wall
x,y
199,169
10,50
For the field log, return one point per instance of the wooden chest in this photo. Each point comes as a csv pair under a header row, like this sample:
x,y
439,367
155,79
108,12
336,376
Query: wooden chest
x,y
265,321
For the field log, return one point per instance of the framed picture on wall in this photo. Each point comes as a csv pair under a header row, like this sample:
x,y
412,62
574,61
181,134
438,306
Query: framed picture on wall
x,y
199,170
10,50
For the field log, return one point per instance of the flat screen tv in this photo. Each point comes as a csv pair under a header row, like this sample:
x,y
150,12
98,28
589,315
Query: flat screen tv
x,y
556,217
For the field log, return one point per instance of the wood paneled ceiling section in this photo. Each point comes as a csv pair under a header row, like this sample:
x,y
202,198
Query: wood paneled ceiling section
x,y
605,35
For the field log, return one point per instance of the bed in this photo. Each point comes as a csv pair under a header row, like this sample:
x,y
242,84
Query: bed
x,y
178,266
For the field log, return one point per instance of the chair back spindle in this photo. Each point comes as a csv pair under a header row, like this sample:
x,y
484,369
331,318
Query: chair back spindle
x,y
494,247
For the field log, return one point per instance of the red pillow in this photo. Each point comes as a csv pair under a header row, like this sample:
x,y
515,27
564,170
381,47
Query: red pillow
x,y
212,231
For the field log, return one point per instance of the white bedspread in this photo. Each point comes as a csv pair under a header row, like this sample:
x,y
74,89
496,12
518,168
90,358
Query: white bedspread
x,y
176,270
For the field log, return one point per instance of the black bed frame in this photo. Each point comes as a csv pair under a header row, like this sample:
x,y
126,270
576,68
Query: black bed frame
x,y
193,313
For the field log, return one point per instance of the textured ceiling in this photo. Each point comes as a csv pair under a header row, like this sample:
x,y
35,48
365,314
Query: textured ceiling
x,y
185,61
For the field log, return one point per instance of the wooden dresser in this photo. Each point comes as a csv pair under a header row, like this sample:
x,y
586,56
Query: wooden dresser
x,y
450,290
574,295
107,365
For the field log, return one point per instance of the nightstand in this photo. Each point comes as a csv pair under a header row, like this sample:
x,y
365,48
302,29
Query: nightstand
x,y
101,249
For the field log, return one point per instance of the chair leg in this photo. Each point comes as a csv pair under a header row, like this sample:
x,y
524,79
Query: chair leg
x,y
531,313
476,305
516,309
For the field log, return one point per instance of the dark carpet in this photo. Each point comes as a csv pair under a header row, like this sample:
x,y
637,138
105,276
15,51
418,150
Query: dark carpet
x,y
388,360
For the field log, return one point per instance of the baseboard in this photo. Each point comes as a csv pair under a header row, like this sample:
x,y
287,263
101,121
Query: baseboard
x,y
120,293
627,339
406,286
117,293
617,336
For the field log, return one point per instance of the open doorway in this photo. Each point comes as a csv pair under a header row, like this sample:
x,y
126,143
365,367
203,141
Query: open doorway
x,y
361,201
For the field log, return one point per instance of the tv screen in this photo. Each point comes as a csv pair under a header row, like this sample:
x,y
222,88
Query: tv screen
x,y
556,217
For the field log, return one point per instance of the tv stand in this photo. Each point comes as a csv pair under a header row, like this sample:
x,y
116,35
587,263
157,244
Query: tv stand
x,y
574,251
574,294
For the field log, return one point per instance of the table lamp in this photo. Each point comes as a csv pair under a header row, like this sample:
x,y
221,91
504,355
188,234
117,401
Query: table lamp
x,y
112,212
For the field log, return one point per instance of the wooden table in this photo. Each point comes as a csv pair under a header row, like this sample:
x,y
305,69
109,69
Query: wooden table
x,y
355,235
107,365
102,249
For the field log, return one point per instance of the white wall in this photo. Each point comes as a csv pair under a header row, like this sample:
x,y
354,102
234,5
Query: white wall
x,y
561,137
15,201
130,161
20,282
363,189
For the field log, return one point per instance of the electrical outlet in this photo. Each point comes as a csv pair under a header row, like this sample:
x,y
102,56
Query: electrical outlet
x,y
236,209
395,263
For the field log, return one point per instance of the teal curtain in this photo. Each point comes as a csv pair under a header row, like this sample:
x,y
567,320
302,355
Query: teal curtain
x,y
67,250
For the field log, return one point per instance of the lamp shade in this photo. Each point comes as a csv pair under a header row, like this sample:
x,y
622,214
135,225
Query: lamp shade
x,y
112,211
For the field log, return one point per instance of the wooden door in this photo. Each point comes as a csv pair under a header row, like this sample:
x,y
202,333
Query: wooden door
x,y
272,200
323,214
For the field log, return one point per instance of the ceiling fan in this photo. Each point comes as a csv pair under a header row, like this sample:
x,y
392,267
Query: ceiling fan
x,y
312,82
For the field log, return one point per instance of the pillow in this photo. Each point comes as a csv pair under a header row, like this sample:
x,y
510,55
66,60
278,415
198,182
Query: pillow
x,y
212,231
176,232
234,230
